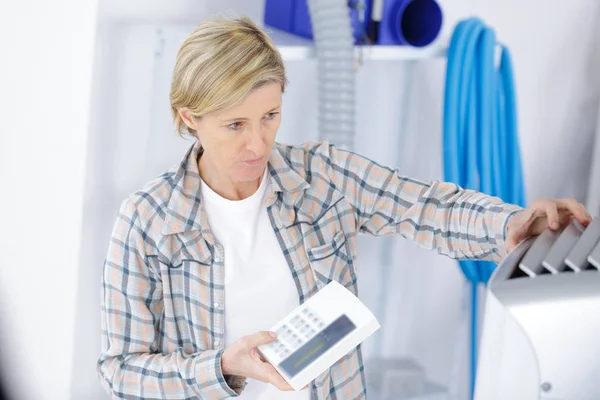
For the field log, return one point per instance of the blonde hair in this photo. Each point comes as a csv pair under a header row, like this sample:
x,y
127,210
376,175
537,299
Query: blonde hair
x,y
219,64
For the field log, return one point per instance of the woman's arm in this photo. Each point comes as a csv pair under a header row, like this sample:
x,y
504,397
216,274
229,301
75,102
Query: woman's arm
x,y
435,215
130,366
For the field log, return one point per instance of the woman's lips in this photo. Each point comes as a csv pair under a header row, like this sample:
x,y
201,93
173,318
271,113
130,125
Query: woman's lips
x,y
253,163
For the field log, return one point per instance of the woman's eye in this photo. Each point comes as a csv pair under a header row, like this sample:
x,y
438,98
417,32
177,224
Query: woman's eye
x,y
271,115
236,126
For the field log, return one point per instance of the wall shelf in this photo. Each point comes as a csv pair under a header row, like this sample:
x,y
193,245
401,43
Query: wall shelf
x,y
296,48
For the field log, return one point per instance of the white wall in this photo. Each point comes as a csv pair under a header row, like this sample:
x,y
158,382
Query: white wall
x,y
556,51
121,136
49,293
45,80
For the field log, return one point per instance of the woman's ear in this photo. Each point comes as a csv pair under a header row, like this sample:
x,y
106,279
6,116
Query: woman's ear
x,y
188,118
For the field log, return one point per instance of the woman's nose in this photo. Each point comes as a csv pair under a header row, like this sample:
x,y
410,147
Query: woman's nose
x,y
256,142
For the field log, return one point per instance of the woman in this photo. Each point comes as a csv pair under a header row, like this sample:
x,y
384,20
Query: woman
x,y
243,230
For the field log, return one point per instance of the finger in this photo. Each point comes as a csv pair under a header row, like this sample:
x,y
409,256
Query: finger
x,y
551,209
281,384
258,338
541,214
576,208
529,216
265,372
565,218
275,379
256,355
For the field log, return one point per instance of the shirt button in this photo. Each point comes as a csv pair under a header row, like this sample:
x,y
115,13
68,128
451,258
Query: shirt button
x,y
217,304
216,343
217,259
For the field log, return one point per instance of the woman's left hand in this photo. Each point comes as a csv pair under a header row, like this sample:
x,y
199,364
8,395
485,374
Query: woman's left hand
x,y
544,213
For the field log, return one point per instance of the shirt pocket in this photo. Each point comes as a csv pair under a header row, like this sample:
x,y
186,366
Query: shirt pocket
x,y
331,261
188,290
187,271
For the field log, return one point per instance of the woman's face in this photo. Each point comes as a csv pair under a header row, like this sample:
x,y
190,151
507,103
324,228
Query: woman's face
x,y
237,142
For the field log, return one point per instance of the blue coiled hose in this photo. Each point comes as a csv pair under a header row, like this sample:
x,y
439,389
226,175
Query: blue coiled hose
x,y
481,147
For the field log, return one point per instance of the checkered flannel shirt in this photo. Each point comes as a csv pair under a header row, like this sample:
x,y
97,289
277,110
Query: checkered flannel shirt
x,y
162,315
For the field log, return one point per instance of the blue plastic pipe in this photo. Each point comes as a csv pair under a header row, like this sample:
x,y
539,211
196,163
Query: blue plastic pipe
x,y
481,148
415,22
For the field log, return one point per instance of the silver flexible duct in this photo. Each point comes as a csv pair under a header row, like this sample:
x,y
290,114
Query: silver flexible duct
x,y
334,40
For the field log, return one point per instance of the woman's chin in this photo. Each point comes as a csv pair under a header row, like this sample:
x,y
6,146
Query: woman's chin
x,y
251,173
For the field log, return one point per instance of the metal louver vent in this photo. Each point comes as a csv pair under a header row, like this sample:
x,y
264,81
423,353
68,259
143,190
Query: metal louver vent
x,y
572,250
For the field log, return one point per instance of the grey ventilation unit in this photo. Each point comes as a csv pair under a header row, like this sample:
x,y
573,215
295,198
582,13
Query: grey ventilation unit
x,y
541,332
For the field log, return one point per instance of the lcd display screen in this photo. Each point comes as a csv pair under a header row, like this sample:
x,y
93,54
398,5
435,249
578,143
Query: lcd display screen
x,y
317,346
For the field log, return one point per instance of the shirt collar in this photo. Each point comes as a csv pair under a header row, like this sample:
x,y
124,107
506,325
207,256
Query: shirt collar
x,y
184,209
283,177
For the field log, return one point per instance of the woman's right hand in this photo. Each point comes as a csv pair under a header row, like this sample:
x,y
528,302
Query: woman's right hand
x,y
242,359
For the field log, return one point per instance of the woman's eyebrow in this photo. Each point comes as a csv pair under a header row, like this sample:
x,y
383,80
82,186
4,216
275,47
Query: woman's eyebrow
x,y
246,119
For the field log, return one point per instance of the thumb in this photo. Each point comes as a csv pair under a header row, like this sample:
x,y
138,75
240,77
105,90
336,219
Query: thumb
x,y
519,226
515,233
258,338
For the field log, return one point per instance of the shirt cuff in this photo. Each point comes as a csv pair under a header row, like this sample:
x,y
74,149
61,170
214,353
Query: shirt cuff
x,y
502,215
209,379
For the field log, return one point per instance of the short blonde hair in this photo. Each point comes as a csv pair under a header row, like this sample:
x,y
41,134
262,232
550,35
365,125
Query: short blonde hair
x,y
219,64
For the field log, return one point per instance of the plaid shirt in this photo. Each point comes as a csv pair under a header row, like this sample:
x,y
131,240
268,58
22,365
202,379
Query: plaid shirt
x,y
163,320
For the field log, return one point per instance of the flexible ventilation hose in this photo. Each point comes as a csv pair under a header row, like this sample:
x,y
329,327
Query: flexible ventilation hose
x,y
481,148
334,41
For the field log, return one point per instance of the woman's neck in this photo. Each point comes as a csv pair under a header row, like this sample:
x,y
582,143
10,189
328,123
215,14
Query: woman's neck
x,y
223,185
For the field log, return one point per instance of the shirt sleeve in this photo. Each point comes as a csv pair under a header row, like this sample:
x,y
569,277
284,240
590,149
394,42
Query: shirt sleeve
x,y
130,365
435,215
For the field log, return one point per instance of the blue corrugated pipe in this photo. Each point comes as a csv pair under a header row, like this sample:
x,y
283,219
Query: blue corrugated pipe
x,y
481,147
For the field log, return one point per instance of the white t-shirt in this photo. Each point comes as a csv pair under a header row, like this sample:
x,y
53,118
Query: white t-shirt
x,y
259,287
